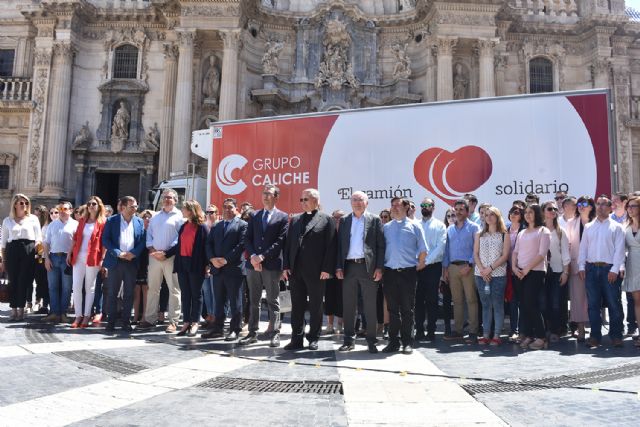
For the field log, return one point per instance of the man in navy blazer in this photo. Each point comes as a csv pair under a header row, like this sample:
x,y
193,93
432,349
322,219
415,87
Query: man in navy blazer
x,y
124,239
225,246
264,241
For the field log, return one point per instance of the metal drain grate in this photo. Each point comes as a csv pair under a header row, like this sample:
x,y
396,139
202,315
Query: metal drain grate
x,y
562,381
38,334
262,386
108,363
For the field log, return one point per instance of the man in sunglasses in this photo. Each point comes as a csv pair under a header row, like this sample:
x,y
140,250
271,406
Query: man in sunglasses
x,y
162,234
309,259
435,234
266,232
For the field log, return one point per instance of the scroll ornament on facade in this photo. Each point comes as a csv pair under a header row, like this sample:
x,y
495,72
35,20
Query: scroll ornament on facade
x,y
336,69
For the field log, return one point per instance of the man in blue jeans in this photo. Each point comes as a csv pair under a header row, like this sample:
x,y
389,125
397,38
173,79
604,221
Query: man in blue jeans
x,y
58,241
601,265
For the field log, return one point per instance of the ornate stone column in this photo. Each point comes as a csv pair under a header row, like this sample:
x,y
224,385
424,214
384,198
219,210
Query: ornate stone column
x,y
58,119
182,130
486,67
24,52
168,109
444,47
229,81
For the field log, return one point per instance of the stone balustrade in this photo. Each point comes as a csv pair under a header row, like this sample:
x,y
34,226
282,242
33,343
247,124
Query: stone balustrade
x,y
15,89
546,7
121,4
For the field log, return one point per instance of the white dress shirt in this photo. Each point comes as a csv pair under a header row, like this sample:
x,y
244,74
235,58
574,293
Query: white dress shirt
x,y
28,229
435,234
126,235
356,243
162,232
59,236
602,241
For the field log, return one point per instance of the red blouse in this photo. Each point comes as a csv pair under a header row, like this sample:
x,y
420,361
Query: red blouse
x,y
187,239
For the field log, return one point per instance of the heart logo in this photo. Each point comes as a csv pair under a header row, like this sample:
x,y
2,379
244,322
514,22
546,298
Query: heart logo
x,y
449,176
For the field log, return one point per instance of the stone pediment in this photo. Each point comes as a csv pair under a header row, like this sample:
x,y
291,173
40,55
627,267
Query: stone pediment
x,y
124,85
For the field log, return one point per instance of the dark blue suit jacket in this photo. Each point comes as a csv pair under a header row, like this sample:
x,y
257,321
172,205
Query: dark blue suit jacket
x,y
229,245
111,239
270,242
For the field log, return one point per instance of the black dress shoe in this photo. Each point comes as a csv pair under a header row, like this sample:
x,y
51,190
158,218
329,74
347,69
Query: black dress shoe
x,y
431,336
249,339
214,333
231,336
420,336
347,347
391,348
407,349
372,348
275,341
111,326
293,346
313,345
127,327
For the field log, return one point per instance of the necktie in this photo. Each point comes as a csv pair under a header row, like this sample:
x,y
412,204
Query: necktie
x,y
265,220
226,224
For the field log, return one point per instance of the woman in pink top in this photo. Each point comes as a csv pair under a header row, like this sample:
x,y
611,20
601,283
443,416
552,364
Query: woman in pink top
x,y
529,261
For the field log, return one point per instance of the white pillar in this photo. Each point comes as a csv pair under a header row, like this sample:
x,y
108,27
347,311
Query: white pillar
x,y
56,148
445,46
229,80
168,105
181,144
486,72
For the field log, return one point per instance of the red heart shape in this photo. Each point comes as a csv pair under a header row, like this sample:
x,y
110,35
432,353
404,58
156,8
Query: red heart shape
x,y
449,176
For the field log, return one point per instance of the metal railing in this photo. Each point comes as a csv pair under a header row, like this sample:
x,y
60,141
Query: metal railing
x,y
15,89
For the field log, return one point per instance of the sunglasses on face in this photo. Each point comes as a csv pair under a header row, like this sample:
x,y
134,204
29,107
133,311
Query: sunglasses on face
x,y
426,205
582,204
551,209
53,213
92,204
514,213
559,198
304,199
22,203
211,212
452,215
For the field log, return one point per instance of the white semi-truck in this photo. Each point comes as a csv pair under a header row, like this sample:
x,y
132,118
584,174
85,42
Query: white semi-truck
x,y
497,148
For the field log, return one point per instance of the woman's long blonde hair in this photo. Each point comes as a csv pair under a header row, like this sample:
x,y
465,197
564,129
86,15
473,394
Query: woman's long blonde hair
x,y
500,227
15,199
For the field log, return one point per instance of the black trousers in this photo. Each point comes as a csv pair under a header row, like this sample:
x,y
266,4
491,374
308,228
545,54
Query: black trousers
x,y
42,285
124,272
427,297
190,292
305,285
532,285
400,290
20,263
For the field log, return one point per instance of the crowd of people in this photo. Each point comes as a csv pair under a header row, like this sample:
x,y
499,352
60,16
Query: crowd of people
x,y
555,268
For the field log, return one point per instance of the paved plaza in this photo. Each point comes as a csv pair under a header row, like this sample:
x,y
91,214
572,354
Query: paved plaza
x,y
53,376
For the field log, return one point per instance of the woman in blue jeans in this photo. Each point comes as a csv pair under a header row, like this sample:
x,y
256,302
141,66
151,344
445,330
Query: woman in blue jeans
x,y
491,249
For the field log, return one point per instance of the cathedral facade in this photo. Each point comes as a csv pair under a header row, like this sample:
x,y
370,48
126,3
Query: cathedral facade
x,y
101,96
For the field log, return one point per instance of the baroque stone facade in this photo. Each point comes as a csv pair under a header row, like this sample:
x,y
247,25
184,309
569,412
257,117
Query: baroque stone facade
x,y
104,94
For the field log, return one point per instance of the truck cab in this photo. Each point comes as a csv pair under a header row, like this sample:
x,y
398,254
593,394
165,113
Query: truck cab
x,y
191,187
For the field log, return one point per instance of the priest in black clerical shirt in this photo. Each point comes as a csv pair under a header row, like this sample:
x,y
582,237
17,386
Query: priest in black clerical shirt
x,y
309,258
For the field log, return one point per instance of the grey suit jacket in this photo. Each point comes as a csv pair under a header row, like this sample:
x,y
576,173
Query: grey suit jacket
x,y
374,243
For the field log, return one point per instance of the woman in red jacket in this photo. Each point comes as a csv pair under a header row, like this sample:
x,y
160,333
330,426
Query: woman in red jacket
x,y
86,259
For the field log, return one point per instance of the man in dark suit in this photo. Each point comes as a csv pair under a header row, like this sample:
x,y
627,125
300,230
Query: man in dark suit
x,y
360,262
264,241
309,259
124,239
225,245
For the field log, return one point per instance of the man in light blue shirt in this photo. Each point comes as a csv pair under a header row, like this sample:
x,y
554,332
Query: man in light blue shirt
x,y
458,270
162,234
472,201
404,239
435,234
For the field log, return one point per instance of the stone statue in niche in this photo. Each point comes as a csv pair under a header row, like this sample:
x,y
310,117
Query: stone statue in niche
x,y
211,83
120,128
460,83
270,57
83,138
335,69
402,68
152,138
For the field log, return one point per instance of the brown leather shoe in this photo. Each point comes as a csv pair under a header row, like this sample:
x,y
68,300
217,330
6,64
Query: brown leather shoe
x,y
171,328
593,343
617,342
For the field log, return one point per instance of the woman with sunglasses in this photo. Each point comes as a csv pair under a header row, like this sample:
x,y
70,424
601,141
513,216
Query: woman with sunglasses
x,y
586,212
20,233
86,258
529,262
208,297
557,274
631,282
516,225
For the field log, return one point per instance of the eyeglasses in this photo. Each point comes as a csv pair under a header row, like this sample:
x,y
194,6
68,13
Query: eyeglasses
x,y
212,212
167,197
304,199
92,204
133,207
426,205
633,206
551,209
582,204
22,203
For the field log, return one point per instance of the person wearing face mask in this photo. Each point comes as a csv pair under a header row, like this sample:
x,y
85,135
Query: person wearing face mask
x,y
435,234
309,259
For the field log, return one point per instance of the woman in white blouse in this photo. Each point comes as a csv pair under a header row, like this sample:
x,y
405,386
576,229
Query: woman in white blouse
x,y
632,242
20,233
557,274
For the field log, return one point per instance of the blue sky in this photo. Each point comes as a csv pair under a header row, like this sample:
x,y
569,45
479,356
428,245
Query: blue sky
x,y
633,3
